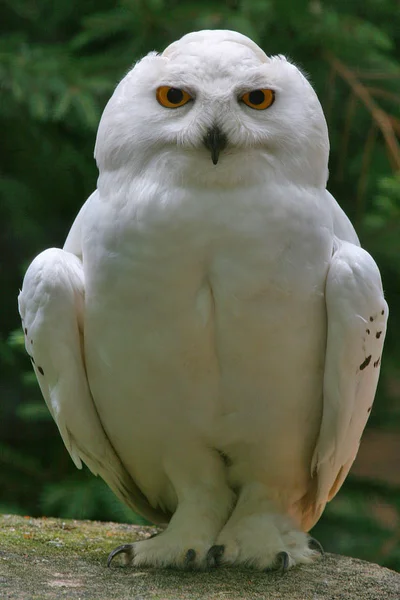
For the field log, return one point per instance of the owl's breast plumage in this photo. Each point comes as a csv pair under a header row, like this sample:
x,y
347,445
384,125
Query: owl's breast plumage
x,y
201,321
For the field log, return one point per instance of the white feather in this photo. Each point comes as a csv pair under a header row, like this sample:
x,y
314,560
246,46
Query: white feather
x,y
357,315
51,305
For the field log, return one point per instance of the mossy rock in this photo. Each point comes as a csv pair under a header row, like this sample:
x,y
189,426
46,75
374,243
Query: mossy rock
x,y
51,559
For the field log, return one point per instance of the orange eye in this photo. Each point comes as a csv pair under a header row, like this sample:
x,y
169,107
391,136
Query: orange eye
x,y
171,97
259,99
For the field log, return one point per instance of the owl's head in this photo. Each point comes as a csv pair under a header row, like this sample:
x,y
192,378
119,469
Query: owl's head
x,y
213,108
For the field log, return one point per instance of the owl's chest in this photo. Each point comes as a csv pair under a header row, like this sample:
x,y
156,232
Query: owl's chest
x,y
161,248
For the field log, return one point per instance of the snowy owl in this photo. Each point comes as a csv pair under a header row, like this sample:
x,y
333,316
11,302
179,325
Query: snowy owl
x,y
209,338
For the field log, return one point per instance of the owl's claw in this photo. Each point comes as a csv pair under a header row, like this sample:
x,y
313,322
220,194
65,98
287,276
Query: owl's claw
x,y
282,559
315,545
125,549
214,554
189,558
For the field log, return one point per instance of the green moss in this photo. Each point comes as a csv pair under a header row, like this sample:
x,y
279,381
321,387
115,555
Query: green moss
x,y
51,537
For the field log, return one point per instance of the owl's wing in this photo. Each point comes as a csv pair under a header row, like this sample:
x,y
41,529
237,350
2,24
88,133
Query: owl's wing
x,y
51,306
357,314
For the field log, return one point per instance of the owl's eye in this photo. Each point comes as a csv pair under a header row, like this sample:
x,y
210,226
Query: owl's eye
x,y
259,99
171,97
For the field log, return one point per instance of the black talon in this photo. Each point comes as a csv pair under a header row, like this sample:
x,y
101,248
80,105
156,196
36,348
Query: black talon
x,y
315,545
125,548
189,558
214,554
283,559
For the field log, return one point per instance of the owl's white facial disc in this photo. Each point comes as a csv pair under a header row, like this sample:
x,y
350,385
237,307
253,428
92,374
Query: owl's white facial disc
x,y
215,138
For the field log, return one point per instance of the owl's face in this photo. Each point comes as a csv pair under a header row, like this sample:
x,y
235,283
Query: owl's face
x,y
213,108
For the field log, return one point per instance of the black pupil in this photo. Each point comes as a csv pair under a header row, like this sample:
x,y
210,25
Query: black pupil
x,y
257,97
174,95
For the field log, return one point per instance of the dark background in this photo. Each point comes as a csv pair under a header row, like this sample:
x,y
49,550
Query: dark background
x,y
59,62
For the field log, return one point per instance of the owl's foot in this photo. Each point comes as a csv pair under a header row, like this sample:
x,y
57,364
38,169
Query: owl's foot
x,y
166,551
215,553
283,558
129,551
266,542
257,536
192,531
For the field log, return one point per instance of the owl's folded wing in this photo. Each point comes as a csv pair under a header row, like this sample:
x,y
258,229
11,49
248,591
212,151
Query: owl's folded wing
x,y
51,305
357,314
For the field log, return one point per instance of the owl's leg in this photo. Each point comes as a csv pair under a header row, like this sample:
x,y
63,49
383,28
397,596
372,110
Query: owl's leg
x,y
204,503
258,535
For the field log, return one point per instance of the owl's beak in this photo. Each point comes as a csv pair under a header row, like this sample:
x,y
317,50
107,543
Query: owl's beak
x,y
215,141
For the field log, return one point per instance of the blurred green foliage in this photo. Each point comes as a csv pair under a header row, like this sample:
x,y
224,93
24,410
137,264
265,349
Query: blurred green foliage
x,y
59,62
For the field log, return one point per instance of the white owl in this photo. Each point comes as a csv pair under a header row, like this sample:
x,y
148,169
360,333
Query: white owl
x,y
209,339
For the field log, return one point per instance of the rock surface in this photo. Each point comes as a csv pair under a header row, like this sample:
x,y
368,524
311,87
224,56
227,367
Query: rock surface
x,y
47,558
